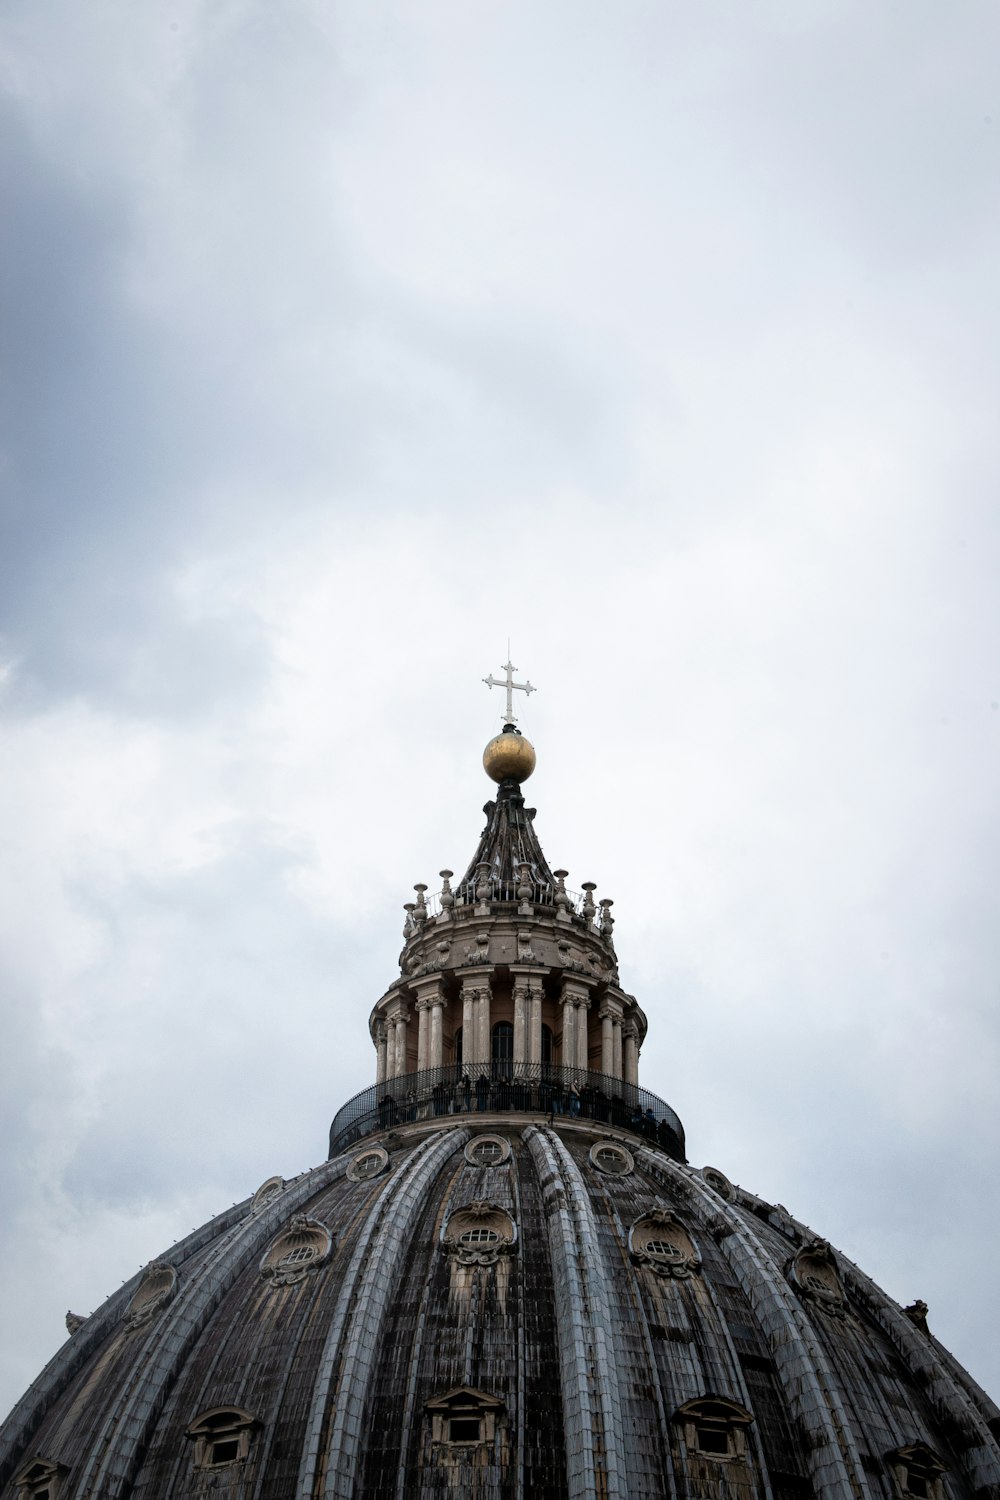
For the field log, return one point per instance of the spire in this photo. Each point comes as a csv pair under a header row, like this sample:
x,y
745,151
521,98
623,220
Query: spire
x,y
508,844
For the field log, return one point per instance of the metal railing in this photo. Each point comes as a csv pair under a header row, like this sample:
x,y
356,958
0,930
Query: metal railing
x,y
517,1088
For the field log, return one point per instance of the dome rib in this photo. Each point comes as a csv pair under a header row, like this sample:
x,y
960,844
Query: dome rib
x,y
802,1364
171,1336
354,1339
591,1400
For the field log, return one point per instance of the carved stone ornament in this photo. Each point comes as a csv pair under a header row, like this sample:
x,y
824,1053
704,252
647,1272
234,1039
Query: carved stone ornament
x,y
917,1314
487,1151
719,1183
155,1290
297,1251
266,1193
369,1163
660,1241
813,1272
74,1321
479,1233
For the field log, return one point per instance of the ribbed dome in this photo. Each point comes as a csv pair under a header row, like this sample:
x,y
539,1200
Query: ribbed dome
x,y
588,1315
506,1281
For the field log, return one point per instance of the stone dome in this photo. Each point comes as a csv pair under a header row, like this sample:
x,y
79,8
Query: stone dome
x,y
507,1280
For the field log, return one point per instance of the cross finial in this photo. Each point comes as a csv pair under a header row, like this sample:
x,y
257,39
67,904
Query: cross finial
x,y
511,686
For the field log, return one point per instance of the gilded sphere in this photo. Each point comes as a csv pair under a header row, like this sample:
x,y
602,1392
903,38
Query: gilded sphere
x,y
509,757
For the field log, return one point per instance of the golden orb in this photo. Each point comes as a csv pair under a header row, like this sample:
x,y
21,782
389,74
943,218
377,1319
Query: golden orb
x,y
509,756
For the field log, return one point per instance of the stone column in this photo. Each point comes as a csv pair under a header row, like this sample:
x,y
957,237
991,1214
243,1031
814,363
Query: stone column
x,y
611,1036
582,1036
631,1053
485,1040
568,1057
535,1024
522,1002
422,1019
429,1001
607,1042
380,1052
436,1059
397,1038
469,1018
575,999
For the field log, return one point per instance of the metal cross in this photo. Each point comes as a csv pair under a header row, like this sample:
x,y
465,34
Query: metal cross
x,y
511,686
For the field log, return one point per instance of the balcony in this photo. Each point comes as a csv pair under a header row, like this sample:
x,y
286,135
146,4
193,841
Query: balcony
x,y
513,1088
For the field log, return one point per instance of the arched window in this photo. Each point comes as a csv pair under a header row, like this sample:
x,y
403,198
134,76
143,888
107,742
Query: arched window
x,y
503,1043
546,1044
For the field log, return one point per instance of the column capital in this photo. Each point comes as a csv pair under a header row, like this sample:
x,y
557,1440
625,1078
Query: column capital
x,y
428,990
576,988
474,980
613,1006
398,1009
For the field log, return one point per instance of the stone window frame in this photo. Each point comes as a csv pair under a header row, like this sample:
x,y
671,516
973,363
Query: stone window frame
x,y
714,1427
354,1172
222,1436
157,1287
719,1183
480,1218
300,1234
660,1227
266,1193
478,1141
917,1471
39,1479
462,1406
815,1274
616,1151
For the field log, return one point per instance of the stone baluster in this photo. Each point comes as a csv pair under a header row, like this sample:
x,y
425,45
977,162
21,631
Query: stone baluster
x,y
607,921
420,907
561,896
589,908
447,894
525,907
409,926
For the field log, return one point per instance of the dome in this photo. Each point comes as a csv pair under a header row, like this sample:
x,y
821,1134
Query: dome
x,y
506,1280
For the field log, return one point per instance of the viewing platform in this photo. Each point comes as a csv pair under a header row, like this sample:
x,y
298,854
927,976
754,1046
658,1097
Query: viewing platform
x,y
516,1088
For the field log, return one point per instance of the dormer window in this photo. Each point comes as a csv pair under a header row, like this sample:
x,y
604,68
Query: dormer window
x,y
464,1418
296,1251
368,1164
38,1480
714,1427
917,1471
614,1159
222,1437
487,1151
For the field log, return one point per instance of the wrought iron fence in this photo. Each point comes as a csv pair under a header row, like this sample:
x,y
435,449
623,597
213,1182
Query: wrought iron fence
x,y
518,1088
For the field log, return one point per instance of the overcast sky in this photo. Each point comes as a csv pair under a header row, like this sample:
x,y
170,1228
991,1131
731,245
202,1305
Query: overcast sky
x,y
342,342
